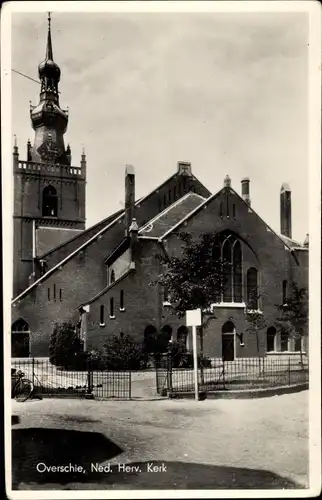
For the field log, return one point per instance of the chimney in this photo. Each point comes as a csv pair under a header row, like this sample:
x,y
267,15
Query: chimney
x,y
286,211
184,168
129,197
245,190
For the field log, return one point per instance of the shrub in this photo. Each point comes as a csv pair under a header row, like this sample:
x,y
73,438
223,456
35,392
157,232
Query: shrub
x,y
183,359
65,348
121,353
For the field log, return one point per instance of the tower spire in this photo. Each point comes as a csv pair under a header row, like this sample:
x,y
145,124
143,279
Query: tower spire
x,y
49,49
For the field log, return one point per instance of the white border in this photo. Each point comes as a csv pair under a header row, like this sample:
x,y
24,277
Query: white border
x,y
313,9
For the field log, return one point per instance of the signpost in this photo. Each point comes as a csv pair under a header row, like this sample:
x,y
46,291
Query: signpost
x,y
193,319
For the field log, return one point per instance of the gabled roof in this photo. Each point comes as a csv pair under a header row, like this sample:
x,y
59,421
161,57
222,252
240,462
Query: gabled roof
x,y
108,287
289,241
173,214
286,241
110,222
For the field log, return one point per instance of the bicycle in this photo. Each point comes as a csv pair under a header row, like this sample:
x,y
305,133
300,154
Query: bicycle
x,y
23,388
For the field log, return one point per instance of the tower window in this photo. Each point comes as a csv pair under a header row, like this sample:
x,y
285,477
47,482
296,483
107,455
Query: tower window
x,y
122,308
49,202
112,308
102,315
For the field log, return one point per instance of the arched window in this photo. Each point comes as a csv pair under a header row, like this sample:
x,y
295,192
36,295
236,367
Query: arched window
x,y
20,339
182,335
112,307
227,271
112,276
122,300
49,202
270,339
165,335
237,272
228,327
150,334
20,326
102,319
252,288
284,341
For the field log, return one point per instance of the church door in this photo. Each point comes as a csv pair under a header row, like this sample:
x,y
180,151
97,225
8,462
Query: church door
x,y
228,348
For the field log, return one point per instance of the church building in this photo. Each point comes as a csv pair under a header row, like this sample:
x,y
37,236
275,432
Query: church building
x,y
100,277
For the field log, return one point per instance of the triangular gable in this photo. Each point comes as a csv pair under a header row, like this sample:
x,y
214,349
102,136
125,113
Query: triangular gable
x,y
207,201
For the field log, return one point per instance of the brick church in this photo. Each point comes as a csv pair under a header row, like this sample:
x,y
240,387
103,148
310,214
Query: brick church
x,y
100,277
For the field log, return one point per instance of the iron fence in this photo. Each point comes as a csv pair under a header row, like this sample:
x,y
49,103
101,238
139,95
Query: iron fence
x,y
246,373
51,380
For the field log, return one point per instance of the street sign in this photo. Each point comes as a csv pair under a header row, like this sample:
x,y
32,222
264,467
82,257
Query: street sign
x,y
193,317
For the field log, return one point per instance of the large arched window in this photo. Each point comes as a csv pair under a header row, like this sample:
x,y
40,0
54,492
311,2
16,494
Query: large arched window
x,y
227,277
252,288
49,202
271,339
237,272
20,326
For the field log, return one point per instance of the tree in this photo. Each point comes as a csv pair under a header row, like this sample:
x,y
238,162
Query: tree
x,y
293,315
195,279
65,345
255,319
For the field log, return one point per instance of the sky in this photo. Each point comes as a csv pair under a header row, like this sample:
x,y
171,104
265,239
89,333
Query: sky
x,y
227,92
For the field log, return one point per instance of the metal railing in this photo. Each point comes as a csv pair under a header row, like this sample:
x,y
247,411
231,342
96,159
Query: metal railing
x,y
51,380
244,373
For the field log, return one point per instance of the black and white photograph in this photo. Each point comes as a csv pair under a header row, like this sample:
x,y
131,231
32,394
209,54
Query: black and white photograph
x,y
161,232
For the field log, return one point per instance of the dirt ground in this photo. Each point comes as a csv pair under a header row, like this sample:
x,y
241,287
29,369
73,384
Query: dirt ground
x,y
212,444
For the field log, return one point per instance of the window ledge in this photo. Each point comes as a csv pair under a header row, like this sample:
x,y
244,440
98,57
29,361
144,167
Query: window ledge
x,y
253,311
285,352
166,303
240,305
102,324
112,317
122,309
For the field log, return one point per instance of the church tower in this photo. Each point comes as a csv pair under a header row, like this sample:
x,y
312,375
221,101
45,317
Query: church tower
x,y
49,193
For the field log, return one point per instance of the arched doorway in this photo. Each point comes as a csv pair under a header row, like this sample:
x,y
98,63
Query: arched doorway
x,y
271,339
20,339
150,334
228,341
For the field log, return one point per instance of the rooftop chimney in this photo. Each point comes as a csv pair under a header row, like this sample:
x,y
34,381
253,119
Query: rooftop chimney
x,y
184,168
129,197
245,183
286,211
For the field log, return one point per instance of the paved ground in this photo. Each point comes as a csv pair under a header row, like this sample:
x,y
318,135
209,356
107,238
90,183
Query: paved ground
x,y
213,444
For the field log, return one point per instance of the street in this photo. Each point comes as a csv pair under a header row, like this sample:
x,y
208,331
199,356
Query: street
x,y
164,444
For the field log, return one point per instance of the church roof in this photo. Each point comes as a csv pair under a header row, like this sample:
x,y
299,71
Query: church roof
x,y
47,237
289,241
101,228
173,214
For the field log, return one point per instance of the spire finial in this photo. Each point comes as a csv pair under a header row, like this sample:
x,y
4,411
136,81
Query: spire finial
x,y
49,51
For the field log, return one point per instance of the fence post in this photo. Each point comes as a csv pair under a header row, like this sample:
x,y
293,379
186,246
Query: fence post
x,y
33,372
130,386
289,371
89,388
223,372
169,372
